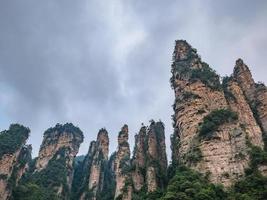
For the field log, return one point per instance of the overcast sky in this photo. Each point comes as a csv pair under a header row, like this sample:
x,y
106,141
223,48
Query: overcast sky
x,y
106,63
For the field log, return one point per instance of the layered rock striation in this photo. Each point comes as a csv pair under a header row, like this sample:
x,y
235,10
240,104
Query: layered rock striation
x,y
122,166
212,121
94,166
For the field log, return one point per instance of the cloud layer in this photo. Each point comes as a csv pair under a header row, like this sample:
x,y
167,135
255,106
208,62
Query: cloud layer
x,y
102,63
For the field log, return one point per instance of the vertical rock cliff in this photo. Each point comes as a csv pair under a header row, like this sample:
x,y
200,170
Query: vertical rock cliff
x,y
156,157
139,159
95,165
212,121
14,157
122,167
56,158
149,162
255,94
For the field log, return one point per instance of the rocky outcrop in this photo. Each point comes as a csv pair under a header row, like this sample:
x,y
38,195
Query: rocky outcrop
x,y
238,104
95,165
199,96
14,157
156,157
59,147
255,93
139,159
122,167
149,162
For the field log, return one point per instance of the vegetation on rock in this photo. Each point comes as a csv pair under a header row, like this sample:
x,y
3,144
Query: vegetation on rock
x,y
13,138
215,119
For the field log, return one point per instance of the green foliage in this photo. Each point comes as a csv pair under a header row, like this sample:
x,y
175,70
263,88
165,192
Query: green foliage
x,y
45,182
207,75
68,128
252,187
13,138
190,185
31,191
216,118
254,184
3,176
257,157
109,181
194,155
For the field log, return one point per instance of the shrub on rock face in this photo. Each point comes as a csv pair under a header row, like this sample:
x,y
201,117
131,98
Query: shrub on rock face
x,y
216,118
190,185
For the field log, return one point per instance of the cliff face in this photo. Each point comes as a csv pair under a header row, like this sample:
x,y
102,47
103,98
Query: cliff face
x,y
139,159
149,161
211,121
156,157
59,147
14,157
122,165
95,165
256,94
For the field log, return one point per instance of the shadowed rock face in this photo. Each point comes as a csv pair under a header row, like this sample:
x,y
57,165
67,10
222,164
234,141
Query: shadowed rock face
x,y
156,157
14,157
255,93
139,159
122,165
198,92
149,161
95,165
62,141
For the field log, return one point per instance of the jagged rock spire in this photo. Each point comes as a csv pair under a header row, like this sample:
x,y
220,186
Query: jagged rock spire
x,y
198,94
122,165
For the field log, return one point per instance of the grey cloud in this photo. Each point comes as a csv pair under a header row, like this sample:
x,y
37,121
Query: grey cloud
x,y
102,64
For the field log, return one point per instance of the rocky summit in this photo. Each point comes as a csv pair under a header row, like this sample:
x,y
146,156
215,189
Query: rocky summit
x,y
219,147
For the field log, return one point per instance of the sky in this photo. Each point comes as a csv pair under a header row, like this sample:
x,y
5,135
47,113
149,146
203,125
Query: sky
x,y
107,63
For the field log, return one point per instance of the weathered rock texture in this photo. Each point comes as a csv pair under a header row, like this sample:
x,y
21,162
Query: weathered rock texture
x,y
95,165
139,159
14,158
255,94
156,157
122,165
60,144
198,92
149,162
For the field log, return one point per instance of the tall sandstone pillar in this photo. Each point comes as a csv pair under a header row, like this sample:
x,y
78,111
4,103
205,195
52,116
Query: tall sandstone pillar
x,y
94,166
255,93
198,94
122,167
59,147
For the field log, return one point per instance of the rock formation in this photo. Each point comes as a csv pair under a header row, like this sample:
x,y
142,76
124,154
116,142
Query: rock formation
x,y
149,162
14,157
156,157
255,94
200,99
122,167
139,159
95,165
59,148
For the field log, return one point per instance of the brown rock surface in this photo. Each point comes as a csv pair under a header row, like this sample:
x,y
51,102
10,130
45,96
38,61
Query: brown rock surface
x,y
121,164
95,162
67,137
198,92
